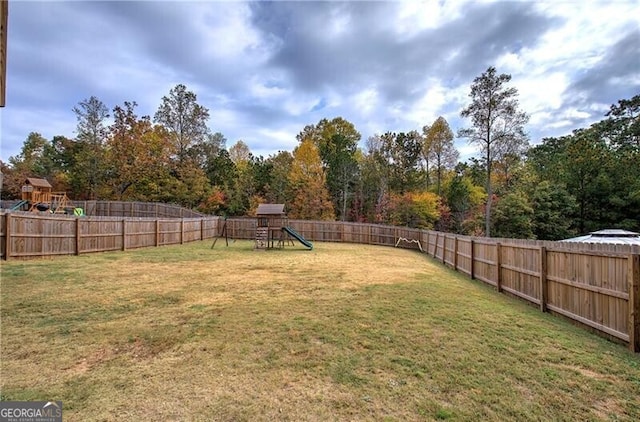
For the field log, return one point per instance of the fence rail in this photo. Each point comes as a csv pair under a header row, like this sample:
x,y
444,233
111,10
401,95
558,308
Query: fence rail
x,y
595,285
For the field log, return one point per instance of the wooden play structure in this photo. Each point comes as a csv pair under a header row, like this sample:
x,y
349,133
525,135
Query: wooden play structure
x,y
273,229
37,196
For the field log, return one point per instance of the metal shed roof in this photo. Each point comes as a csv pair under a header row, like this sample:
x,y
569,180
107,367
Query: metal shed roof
x,y
610,236
270,209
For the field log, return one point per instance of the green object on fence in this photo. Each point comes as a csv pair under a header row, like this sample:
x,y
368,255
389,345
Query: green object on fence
x,y
78,212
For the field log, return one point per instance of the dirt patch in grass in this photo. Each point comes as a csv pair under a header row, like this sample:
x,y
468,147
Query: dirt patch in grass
x,y
342,332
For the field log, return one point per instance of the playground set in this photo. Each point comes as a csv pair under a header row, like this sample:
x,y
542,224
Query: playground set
x,y
272,229
37,196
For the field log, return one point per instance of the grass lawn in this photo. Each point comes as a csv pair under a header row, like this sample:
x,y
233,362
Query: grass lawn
x,y
343,332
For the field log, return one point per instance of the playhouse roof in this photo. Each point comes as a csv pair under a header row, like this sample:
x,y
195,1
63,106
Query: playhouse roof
x,y
41,183
270,209
611,236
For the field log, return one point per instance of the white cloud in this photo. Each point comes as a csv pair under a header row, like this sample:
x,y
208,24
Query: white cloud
x,y
587,32
245,62
415,16
227,28
366,101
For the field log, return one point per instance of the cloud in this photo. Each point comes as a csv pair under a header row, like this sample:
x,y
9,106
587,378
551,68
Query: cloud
x,y
267,69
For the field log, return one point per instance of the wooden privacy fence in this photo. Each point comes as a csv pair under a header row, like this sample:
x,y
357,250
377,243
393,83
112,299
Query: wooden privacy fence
x,y
594,285
29,235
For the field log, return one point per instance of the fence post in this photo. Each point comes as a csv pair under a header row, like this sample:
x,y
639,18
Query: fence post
x,y
7,236
633,277
427,242
543,279
77,235
455,252
181,228
473,275
124,234
444,249
498,265
157,230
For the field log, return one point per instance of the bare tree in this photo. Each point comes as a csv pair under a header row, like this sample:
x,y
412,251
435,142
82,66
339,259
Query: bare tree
x,y
184,118
442,151
496,123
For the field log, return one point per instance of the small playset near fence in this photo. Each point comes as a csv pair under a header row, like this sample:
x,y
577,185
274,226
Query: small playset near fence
x,y
273,229
37,195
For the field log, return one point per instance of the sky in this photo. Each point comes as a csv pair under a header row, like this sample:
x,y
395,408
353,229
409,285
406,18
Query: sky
x,y
265,70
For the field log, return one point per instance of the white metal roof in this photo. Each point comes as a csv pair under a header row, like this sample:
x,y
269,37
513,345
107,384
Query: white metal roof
x,y
610,236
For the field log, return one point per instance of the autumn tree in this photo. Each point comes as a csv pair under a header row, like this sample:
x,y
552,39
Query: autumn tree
x,y
441,150
496,123
138,154
337,142
414,209
239,152
310,197
184,119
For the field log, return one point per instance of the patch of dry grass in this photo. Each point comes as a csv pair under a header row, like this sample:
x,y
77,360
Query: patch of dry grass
x,y
343,332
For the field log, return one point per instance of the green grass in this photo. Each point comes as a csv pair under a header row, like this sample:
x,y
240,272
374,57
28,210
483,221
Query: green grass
x,y
343,332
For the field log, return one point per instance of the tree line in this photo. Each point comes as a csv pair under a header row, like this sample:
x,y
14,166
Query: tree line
x,y
562,186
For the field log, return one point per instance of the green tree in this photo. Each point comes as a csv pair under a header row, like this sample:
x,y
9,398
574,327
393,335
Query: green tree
x,y
188,186
373,188
401,154
92,132
621,131
552,207
278,189
242,189
203,152
221,170
184,119
463,198
339,156
35,160
496,123
513,217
